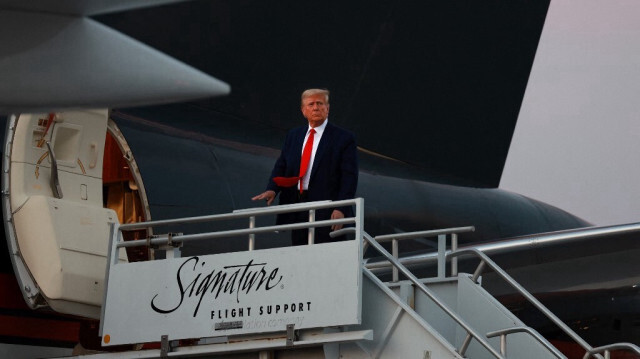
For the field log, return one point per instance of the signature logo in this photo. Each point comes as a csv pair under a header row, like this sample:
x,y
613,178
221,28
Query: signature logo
x,y
233,279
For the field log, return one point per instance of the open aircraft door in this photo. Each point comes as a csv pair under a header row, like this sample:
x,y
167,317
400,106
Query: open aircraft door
x,y
56,224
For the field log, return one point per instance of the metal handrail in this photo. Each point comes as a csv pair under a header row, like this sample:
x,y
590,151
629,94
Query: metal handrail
x,y
440,233
234,233
292,205
239,214
485,260
406,272
503,339
520,243
608,348
420,234
250,213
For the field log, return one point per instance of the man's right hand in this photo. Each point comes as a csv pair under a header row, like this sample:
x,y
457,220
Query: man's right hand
x,y
268,196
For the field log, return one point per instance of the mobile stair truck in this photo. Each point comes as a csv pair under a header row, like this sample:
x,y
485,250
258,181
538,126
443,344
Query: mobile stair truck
x,y
314,301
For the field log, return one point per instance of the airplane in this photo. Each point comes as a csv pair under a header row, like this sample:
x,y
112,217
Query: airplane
x,y
211,156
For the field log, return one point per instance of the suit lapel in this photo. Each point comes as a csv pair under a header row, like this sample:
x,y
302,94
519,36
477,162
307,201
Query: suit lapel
x,y
297,148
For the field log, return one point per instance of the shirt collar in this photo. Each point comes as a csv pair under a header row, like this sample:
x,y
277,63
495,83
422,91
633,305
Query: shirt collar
x,y
319,129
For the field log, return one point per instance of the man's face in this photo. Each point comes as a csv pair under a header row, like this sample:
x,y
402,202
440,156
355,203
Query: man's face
x,y
315,109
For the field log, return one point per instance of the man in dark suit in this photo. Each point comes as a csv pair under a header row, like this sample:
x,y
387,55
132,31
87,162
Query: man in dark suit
x,y
332,168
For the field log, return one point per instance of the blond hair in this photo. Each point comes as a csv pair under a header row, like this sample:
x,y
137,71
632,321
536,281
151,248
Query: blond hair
x,y
311,92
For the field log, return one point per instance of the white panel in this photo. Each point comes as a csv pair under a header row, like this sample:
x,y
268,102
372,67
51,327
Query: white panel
x,y
25,183
447,291
64,244
576,141
77,139
78,142
398,332
234,293
485,314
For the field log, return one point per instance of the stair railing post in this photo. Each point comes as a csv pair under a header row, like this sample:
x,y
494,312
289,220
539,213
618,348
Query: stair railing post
x,y
442,259
394,253
252,236
312,230
454,261
465,344
478,271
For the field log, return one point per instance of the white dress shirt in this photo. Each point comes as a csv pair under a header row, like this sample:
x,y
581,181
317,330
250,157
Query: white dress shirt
x,y
316,140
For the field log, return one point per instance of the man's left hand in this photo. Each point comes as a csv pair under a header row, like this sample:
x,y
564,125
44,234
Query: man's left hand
x,y
336,215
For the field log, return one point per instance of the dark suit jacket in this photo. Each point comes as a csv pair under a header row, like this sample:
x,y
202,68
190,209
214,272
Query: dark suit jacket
x,y
334,175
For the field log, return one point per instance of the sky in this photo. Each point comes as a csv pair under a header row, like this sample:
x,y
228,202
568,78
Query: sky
x,y
576,144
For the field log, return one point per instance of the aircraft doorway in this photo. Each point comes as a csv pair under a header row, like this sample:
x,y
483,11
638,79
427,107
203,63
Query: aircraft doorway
x,y
58,207
123,189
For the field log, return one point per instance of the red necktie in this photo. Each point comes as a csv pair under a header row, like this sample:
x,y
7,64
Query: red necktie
x,y
304,165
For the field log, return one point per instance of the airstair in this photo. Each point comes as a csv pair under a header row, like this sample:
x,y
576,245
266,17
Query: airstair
x,y
315,301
